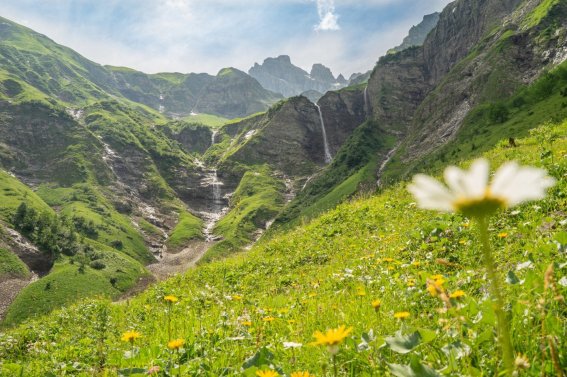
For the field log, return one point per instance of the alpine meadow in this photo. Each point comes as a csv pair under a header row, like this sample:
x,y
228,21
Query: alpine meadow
x,y
407,221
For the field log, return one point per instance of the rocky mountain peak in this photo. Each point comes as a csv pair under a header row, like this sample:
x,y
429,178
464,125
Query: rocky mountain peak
x,y
281,76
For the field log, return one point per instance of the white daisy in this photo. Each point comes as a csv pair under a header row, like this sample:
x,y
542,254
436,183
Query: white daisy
x,y
470,193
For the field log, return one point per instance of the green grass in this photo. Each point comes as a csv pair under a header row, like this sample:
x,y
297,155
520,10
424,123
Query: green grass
x,y
326,274
539,13
67,284
11,266
213,121
13,193
257,199
188,228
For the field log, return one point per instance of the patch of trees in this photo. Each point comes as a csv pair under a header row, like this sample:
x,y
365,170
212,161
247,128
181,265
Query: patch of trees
x,y
52,234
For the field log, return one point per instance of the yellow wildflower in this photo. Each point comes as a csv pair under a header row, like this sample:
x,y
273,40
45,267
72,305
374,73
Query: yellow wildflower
x,y
332,338
376,304
401,315
237,297
435,287
268,319
267,373
457,294
171,299
175,344
502,235
360,292
302,374
246,323
130,336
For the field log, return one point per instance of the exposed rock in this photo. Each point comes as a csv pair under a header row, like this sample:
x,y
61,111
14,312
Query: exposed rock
x,y
418,33
281,76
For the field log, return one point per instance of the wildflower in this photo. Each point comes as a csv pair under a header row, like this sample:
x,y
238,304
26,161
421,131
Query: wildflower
x,y
237,297
302,374
402,315
171,299
246,323
175,344
287,345
153,370
457,294
521,362
502,235
130,336
376,304
469,192
291,321
267,373
360,292
332,338
435,287
268,319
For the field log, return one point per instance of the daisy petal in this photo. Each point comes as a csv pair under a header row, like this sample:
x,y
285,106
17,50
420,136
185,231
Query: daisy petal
x,y
526,183
431,194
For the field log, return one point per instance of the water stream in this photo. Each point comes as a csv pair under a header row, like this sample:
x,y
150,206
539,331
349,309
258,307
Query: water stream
x,y
328,157
366,102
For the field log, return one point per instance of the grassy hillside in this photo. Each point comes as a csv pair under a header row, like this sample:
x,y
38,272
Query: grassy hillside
x,y
257,200
241,313
11,266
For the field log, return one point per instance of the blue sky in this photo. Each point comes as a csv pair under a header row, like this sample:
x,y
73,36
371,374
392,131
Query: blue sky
x,y
206,35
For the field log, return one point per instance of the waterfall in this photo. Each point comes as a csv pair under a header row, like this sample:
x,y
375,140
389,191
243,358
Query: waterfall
x,y
213,136
327,155
366,102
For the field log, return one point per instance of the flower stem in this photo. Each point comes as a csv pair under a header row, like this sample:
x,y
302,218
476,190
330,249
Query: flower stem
x,y
496,291
335,365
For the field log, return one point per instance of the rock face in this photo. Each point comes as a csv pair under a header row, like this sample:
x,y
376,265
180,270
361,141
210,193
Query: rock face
x,y
423,94
281,76
418,33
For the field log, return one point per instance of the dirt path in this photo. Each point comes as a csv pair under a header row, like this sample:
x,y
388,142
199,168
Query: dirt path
x,y
171,264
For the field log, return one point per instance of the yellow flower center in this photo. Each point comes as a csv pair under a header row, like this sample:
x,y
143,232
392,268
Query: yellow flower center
x,y
480,206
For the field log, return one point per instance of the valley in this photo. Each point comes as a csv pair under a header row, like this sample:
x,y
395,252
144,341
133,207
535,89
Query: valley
x,y
273,204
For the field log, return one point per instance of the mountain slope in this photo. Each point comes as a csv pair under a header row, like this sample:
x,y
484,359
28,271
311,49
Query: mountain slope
x,y
355,266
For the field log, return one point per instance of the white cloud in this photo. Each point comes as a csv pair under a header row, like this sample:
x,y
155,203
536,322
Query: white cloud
x,y
327,16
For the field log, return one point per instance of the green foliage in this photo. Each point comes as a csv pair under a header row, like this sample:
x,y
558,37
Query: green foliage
x,y
257,200
13,193
11,266
237,313
188,228
352,168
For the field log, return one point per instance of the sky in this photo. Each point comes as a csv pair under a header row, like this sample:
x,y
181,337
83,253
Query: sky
x,y
206,35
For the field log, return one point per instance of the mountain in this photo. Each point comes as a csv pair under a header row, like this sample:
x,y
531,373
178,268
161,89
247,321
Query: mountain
x,y
102,192
488,71
281,76
418,33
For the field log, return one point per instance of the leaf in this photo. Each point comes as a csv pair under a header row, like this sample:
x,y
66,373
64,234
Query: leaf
x,y
403,343
511,278
262,357
415,369
427,335
457,349
132,371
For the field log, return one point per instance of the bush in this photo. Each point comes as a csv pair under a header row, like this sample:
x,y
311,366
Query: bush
x,y
97,265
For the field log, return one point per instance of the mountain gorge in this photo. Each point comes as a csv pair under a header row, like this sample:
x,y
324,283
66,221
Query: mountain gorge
x,y
117,174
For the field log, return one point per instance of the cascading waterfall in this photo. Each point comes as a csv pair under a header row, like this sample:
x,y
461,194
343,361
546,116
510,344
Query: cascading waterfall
x,y
366,102
216,208
328,157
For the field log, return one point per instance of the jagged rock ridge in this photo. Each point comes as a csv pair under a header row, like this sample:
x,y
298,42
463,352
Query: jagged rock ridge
x,y
281,76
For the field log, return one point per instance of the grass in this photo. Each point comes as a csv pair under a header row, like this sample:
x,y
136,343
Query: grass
x,y
257,200
236,314
67,283
11,267
188,228
13,193
213,121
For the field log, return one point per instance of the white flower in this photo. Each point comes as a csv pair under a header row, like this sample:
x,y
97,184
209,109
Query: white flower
x,y
288,345
469,192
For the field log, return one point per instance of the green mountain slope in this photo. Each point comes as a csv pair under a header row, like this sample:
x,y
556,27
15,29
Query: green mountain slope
x,y
329,273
